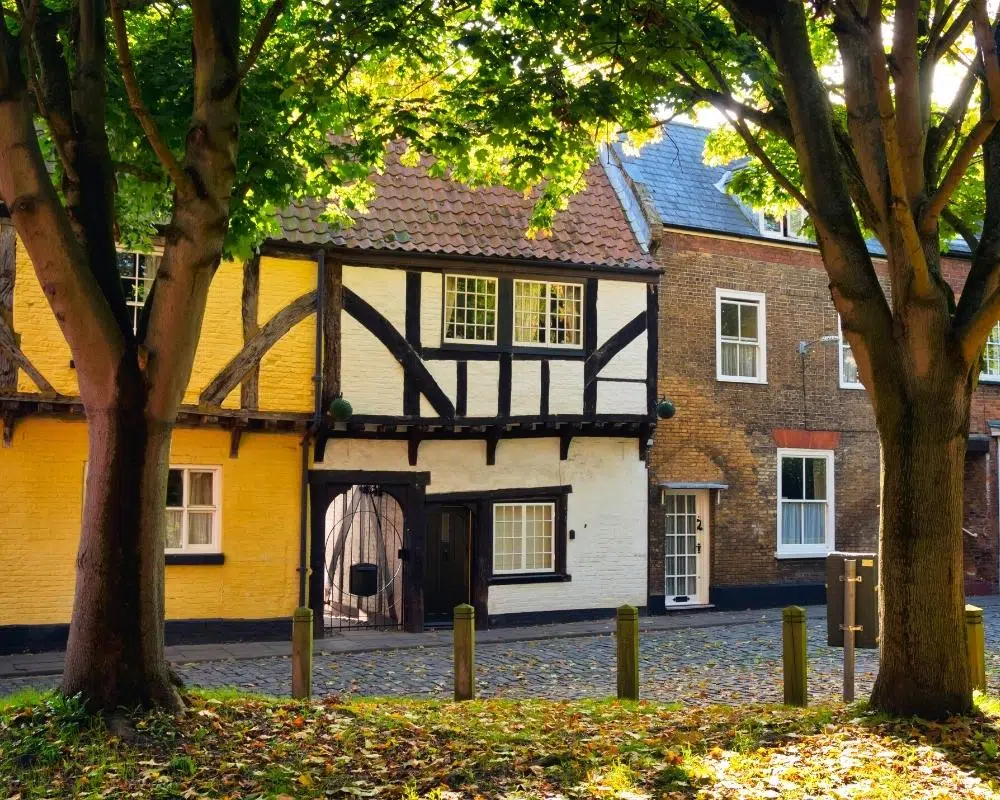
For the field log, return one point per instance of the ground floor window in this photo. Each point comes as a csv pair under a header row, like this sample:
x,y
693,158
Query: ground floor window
x,y
523,537
193,510
805,502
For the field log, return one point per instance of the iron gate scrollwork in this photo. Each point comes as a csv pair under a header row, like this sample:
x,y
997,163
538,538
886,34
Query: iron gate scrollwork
x,y
363,586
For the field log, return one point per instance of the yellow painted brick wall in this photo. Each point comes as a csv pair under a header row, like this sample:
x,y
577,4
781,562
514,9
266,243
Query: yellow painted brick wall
x,y
221,332
286,379
286,372
41,339
40,505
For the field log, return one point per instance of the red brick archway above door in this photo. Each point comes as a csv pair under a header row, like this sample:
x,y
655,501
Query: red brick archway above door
x,y
806,440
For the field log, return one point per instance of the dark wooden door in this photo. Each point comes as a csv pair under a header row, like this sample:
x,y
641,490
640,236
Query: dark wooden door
x,y
447,574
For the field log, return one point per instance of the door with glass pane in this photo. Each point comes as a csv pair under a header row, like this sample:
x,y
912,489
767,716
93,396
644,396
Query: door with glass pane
x,y
686,547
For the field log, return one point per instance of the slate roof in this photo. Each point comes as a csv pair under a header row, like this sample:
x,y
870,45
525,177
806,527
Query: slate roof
x,y
415,213
682,188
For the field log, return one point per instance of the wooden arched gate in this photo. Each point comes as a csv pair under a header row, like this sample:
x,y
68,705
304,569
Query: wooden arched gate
x,y
367,553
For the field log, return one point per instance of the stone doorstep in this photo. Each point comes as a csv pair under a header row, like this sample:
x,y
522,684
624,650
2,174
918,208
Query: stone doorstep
x,y
44,664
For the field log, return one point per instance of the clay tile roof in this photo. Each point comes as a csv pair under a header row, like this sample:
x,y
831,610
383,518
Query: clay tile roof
x,y
415,213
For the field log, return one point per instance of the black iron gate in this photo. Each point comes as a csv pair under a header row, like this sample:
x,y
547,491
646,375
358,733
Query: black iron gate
x,y
363,585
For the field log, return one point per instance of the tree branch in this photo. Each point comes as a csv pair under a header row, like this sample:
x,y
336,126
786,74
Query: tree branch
x,y
266,26
145,119
980,131
910,105
963,230
973,335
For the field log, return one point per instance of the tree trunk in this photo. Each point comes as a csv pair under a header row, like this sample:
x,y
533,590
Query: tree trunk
x,y
115,655
923,668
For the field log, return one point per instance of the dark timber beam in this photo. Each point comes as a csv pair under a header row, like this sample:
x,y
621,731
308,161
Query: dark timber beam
x,y
401,350
250,388
9,345
249,357
333,286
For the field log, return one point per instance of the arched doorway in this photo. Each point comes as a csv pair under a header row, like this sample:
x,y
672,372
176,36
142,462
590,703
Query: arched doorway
x,y
363,567
367,553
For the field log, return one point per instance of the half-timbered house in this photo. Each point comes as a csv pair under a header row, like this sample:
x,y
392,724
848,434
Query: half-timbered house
x,y
501,392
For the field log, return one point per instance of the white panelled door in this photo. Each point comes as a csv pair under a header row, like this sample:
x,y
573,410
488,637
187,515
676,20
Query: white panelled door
x,y
685,547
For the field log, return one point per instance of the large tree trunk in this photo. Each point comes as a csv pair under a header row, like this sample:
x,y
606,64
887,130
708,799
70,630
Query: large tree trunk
x,y
115,655
923,668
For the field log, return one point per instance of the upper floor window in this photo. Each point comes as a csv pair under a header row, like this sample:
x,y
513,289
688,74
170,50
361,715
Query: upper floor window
x,y
849,378
524,536
192,510
137,272
741,340
548,313
991,357
470,309
805,502
789,225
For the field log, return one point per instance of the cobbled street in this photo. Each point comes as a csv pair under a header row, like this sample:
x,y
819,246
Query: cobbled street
x,y
739,663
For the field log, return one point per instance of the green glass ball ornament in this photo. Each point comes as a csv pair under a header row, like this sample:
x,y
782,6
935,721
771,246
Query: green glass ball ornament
x,y
665,409
340,409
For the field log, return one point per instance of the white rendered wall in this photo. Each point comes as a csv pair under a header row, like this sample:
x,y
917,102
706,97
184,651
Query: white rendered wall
x,y
630,362
525,388
618,303
620,398
370,378
482,388
607,508
446,375
383,289
430,308
566,387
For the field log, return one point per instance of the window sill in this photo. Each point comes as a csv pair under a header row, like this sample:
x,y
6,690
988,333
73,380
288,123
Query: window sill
x,y
530,577
751,381
790,556
195,559
855,386
993,380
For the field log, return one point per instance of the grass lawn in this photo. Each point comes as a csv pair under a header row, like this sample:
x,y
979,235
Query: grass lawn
x,y
230,745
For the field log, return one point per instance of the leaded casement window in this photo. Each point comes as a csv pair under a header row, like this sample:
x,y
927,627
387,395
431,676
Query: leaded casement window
x,y
470,309
790,225
136,271
741,336
548,313
991,357
524,537
193,495
805,503
849,378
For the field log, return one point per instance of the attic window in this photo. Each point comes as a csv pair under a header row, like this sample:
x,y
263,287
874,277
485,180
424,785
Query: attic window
x,y
787,226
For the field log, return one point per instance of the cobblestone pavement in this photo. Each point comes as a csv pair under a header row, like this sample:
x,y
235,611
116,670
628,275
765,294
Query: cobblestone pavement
x,y
731,664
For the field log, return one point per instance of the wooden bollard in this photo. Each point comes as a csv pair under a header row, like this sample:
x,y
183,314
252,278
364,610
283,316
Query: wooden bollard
x,y
975,645
465,652
628,653
302,653
794,656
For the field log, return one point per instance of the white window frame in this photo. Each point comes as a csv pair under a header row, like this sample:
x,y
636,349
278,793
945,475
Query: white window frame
x,y
844,344
522,504
786,226
548,314
724,295
809,550
216,544
134,307
989,377
444,308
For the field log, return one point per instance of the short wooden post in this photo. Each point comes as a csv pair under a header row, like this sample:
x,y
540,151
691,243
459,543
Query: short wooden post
x,y
628,653
975,644
302,653
796,668
850,629
465,652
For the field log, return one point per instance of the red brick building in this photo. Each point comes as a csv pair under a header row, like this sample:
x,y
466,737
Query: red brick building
x,y
772,459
